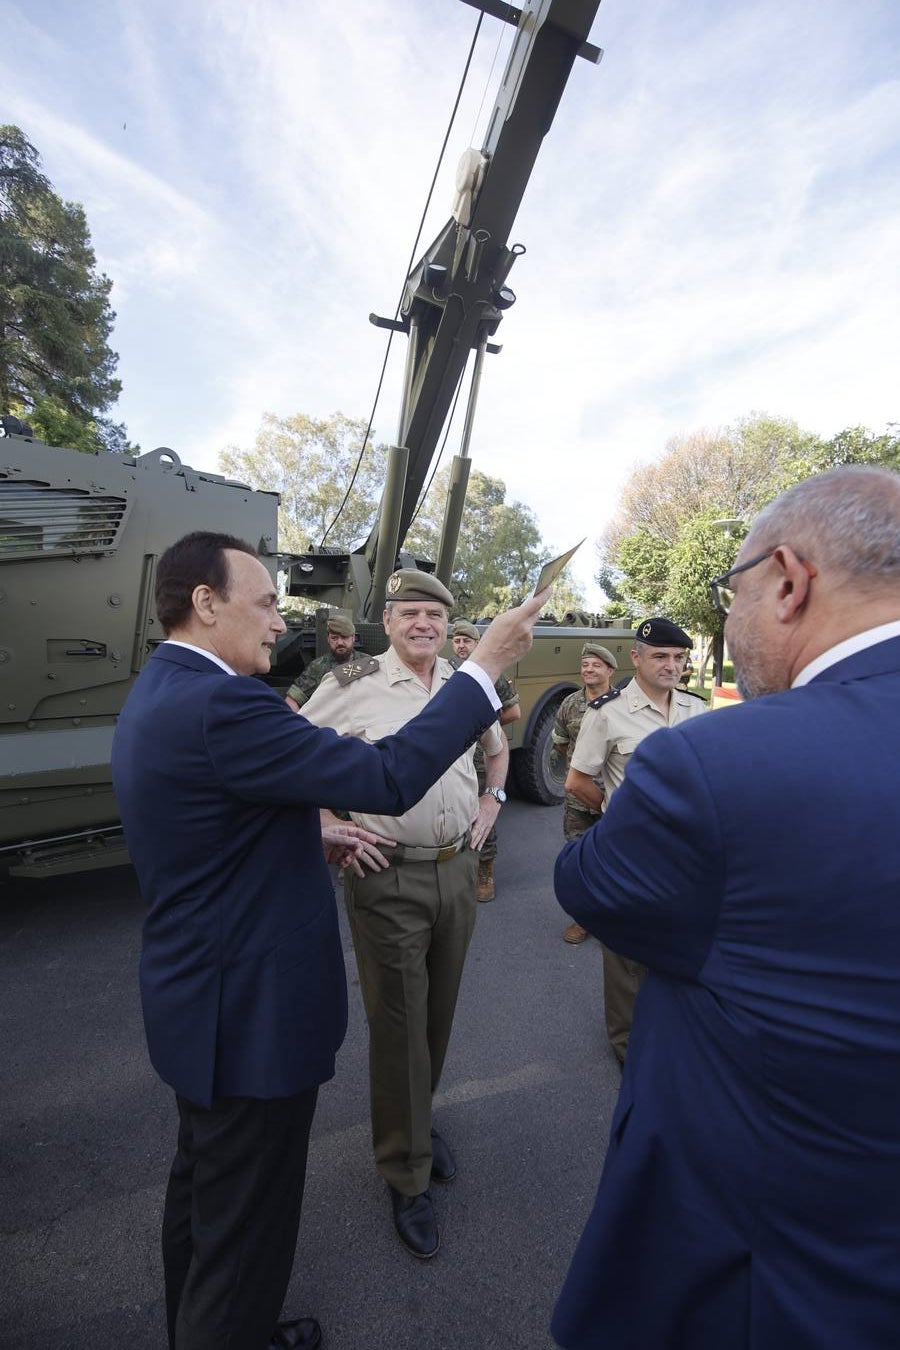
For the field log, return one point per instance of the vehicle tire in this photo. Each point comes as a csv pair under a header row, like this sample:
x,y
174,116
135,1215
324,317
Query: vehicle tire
x,y
534,777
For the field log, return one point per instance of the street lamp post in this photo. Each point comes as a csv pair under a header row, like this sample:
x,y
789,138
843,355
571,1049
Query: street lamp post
x,y
726,525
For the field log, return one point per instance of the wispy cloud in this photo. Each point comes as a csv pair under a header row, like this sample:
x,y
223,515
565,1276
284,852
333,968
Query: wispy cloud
x,y
710,226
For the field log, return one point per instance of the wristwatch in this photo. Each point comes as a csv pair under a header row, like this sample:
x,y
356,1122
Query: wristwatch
x,y
497,793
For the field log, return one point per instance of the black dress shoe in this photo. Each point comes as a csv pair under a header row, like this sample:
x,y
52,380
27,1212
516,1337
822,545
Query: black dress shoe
x,y
443,1163
415,1223
302,1333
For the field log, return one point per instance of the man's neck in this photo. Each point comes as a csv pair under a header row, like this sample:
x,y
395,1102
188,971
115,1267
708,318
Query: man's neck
x,y
661,697
423,670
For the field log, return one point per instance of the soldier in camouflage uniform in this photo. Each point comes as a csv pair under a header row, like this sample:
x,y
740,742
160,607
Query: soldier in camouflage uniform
x,y
340,633
597,667
465,639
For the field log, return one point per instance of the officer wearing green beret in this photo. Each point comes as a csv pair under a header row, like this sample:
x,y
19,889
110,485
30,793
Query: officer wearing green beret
x,y
340,635
598,666
412,922
465,639
612,728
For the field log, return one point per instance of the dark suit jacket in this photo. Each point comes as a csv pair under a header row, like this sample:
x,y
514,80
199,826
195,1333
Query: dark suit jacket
x,y
219,784
751,1191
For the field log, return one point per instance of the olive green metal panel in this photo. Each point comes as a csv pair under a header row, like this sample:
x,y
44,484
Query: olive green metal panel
x,y
79,539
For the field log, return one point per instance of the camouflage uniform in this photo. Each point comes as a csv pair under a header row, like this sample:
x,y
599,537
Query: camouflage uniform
x,y
508,699
308,682
576,816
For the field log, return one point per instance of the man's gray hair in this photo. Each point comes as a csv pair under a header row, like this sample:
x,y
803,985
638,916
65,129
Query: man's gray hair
x,y
847,520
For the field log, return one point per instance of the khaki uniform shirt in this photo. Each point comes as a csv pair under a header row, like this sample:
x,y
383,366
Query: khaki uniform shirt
x,y
610,735
379,704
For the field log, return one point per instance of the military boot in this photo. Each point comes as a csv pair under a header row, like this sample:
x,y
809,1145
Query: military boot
x,y
484,887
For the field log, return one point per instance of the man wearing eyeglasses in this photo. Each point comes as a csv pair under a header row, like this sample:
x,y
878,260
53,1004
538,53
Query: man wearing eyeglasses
x,y
611,730
752,861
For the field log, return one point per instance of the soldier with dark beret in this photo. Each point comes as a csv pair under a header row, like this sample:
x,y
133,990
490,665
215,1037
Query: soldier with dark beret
x,y
412,922
598,666
465,638
341,635
612,728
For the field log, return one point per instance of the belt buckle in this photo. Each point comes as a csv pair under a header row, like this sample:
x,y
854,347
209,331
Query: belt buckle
x,y
446,852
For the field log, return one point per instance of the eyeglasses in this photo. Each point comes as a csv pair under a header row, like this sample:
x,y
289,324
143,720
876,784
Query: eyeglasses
x,y
723,595
721,592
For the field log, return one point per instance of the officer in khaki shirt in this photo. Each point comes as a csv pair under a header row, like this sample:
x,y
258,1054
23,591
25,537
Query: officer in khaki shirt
x,y
611,730
412,922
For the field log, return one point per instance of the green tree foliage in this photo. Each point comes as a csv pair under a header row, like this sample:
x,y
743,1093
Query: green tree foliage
x,y
311,462
643,571
706,476
703,550
57,370
681,519
854,445
500,550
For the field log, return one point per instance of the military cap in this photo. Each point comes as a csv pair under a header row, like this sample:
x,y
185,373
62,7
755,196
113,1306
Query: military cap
x,y
408,583
663,633
340,624
462,628
594,649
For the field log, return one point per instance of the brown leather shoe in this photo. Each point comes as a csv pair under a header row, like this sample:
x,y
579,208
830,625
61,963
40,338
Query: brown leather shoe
x,y
575,933
484,886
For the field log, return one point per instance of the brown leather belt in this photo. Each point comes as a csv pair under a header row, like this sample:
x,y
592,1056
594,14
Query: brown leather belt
x,y
412,853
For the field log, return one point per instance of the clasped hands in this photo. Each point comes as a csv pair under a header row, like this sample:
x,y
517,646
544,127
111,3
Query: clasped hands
x,y
351,846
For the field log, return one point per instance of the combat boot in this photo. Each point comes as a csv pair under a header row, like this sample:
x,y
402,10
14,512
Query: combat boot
x,y
484,887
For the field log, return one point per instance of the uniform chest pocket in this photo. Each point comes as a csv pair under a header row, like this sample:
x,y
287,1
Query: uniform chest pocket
x,y
626,745
377,729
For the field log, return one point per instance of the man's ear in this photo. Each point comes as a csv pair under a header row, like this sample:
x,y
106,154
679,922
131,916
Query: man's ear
x,y
204,600
793,584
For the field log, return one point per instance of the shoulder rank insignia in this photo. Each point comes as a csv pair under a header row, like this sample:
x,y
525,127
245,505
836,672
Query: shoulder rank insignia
x,y
454,661
604,699
354,670
692,693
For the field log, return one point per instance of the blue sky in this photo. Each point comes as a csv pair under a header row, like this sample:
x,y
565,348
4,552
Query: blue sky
x,y
712,224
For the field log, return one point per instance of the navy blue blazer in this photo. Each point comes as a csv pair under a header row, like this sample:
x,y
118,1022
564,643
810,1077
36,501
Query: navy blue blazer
x,y
219,785
751,1191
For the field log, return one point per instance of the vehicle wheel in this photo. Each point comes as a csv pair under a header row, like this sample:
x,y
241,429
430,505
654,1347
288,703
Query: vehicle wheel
x,y
534,776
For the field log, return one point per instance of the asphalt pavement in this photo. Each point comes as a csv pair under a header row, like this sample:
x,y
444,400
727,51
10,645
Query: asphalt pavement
x,y
87,1131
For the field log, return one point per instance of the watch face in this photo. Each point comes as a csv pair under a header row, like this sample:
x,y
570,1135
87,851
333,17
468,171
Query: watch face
x,y
500,795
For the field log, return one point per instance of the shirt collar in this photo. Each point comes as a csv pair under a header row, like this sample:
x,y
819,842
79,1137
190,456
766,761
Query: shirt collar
x,y
397,670
849,647
201,651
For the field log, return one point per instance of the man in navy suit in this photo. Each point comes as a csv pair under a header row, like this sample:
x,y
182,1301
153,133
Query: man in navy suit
x,y
751,859
242,973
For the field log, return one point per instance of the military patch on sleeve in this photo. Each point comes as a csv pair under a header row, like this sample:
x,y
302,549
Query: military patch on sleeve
x,y
604,698
354,670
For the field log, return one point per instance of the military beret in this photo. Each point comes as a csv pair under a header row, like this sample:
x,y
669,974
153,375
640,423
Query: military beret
x,y
462,628
594,649
410,584
663,633
340,623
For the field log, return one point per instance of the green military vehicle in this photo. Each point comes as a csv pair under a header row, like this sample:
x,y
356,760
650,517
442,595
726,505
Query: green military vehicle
x,y
80,535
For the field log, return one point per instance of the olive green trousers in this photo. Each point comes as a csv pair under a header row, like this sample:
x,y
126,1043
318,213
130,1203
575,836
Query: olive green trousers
x,y
411,927
622,979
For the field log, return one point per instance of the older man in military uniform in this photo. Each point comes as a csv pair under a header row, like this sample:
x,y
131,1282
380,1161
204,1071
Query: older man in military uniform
x,y
412,921
611,730
598,666
340,634
465,639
